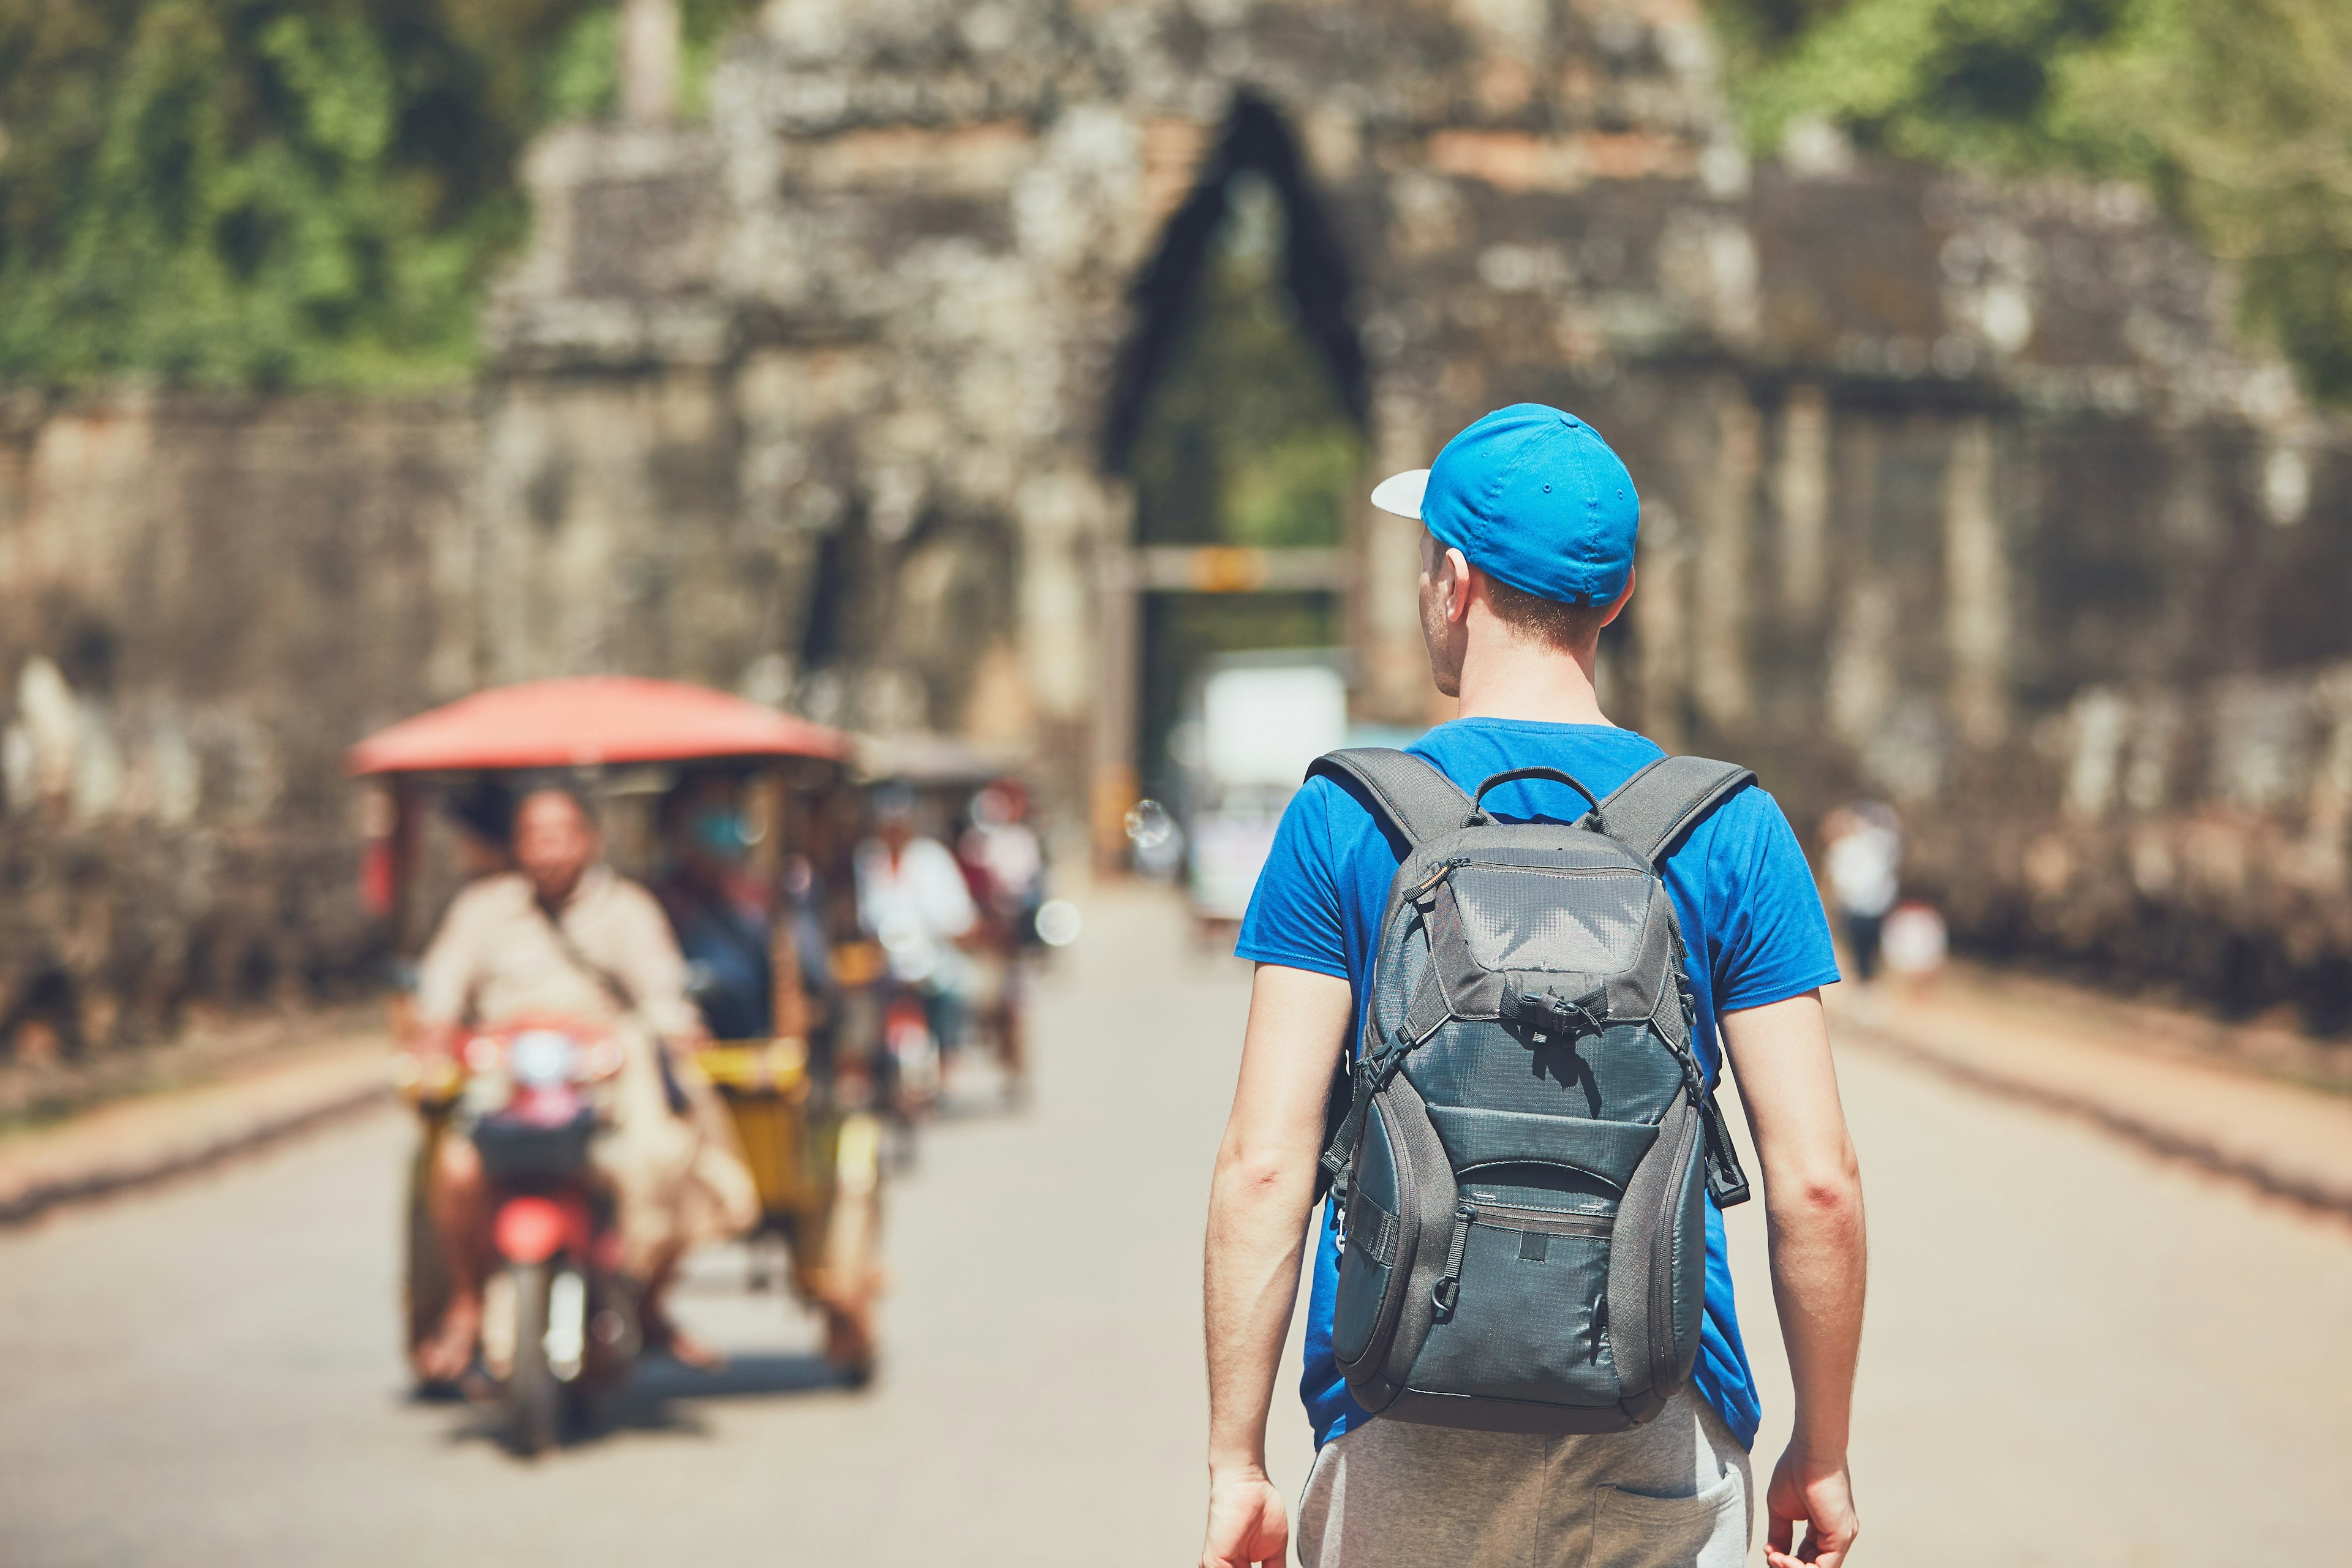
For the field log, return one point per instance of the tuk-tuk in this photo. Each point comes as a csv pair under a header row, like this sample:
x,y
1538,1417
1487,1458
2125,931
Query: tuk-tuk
x,y
811,1146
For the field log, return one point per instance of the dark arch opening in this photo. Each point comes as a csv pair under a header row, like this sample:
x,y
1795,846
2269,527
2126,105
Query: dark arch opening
x,y
1314,274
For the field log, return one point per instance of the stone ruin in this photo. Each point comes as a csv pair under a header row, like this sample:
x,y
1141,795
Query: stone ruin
x,y
1959,493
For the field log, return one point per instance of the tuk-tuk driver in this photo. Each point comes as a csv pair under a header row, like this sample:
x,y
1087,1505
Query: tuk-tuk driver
x,y
564,935
913,899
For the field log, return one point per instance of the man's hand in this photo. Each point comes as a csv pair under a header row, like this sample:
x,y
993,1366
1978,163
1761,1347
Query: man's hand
x,y
1821,1494
1246,1523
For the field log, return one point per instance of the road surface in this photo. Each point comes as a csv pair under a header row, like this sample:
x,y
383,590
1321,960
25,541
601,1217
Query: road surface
x,y
2077,1353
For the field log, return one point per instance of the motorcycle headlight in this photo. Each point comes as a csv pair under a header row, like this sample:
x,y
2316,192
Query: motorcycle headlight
x,y
542,1058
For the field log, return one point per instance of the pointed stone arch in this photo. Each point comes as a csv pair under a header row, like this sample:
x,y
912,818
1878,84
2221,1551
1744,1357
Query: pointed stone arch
x,y
1317,277
1315,273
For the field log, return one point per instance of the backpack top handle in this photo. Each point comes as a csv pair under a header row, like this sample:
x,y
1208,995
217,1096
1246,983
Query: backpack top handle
x,y
1555,774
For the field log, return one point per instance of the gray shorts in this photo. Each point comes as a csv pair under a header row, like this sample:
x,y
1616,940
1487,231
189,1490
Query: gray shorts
x,y
1673,1494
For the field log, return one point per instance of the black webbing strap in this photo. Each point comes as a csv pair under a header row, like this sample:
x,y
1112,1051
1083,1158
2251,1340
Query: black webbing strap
x,y
1448,1289
1651,812
1418,801
618,990
1374,1229
1427,1011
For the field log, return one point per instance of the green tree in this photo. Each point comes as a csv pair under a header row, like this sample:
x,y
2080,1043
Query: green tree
x,y
2235,113
256,193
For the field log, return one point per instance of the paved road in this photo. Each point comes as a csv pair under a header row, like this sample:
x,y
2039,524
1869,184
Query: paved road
x,y
2077,1354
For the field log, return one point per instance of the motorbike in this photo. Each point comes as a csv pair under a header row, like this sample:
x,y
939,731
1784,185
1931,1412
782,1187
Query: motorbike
x,y
912,1051
890,1055
559,1320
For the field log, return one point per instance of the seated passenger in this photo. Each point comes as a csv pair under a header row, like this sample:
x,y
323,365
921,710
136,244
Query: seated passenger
x,y
722,916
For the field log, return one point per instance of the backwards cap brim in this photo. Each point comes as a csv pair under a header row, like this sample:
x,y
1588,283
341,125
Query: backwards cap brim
x,y
1400,494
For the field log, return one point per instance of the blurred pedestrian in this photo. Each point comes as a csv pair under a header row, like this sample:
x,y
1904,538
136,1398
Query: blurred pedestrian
x,y
1865,863
1915,943
1527,554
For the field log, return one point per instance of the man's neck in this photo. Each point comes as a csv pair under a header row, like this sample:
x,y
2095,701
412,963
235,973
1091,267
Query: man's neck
x,y
1506,677
555,903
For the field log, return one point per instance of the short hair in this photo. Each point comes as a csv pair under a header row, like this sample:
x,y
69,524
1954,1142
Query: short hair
x,y
582,801
1570,629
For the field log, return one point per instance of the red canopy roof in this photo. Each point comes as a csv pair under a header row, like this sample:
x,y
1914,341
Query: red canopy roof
x,y
585,721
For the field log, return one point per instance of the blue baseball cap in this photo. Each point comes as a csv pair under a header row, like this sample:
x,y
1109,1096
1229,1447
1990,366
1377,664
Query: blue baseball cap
x,y
1532,495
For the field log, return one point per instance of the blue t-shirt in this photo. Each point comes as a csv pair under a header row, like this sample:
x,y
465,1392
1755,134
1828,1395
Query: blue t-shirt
x,y
1748,908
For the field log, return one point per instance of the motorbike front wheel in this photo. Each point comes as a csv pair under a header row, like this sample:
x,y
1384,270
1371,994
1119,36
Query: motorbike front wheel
x,y
534,1398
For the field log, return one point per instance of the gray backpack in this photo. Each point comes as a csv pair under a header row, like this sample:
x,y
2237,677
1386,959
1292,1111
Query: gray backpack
x,y
1521,1150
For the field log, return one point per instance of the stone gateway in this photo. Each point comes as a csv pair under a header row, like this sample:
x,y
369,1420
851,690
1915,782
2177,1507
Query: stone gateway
x,y
1963,493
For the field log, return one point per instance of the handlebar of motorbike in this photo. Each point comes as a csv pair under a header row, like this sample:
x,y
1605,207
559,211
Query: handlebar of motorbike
x,y
432,1079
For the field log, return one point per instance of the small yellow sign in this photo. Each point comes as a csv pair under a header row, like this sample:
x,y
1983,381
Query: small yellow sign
x,y
1228,569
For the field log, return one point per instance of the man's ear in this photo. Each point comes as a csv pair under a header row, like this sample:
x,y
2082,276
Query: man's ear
x,y
1457,584
1617,605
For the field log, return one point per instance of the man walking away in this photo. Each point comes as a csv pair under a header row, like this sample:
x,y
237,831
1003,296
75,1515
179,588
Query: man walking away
x,y
1527,552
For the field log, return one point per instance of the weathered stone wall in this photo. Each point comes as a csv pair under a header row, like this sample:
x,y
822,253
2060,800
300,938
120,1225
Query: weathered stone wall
x,y
202,603
2190,841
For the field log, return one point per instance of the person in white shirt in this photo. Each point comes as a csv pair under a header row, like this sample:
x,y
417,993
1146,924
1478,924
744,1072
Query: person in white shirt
x,y
1866,861
912,899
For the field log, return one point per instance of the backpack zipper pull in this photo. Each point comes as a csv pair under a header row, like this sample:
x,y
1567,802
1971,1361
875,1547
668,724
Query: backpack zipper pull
x,y
1448,1289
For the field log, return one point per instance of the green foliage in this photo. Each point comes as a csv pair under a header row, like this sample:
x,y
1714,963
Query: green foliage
x,y
258,193
1245,439
2234,111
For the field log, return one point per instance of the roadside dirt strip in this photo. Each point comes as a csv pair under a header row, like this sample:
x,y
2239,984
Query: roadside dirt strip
x,y
137,1142
2286,1140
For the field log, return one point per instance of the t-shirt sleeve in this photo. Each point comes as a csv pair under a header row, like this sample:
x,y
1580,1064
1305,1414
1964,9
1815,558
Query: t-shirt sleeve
x,y
1294,916
1769,936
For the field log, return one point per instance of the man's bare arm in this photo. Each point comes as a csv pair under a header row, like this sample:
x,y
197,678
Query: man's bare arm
x,y
1813,1205
1259,1201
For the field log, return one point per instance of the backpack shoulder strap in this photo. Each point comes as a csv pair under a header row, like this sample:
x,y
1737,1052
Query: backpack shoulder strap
x,y
1418,801
1651,812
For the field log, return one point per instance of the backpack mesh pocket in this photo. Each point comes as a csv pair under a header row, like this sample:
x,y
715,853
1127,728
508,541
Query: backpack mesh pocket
x,y
1543,919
